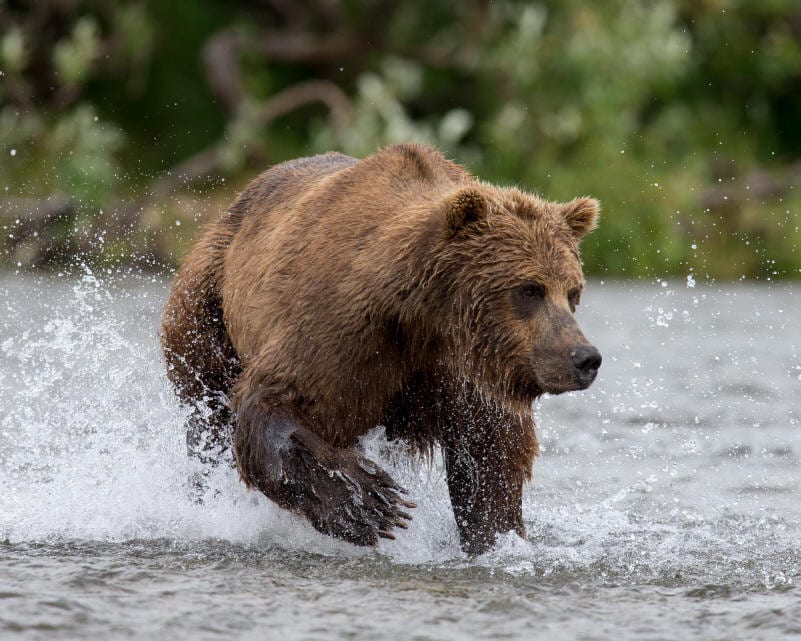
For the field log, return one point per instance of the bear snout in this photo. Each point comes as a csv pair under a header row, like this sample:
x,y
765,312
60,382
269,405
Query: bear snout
x,y
586,361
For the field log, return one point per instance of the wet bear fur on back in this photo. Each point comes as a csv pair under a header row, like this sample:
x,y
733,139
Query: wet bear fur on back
x,y
337,294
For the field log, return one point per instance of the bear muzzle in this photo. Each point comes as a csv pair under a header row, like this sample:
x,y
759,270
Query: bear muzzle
x,y
586,361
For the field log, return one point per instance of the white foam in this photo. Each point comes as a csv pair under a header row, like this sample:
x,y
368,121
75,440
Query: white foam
x,y
92,443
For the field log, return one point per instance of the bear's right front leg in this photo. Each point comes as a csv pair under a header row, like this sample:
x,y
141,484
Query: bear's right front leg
x,y
341,493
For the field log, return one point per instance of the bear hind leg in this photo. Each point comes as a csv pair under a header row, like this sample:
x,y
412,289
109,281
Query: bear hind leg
x,y
201,362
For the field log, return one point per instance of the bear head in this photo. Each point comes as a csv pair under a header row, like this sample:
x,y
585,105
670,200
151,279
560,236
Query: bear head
x,y
513,275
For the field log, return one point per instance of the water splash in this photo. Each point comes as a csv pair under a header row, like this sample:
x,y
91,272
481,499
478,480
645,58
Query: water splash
x,y
92,438
92,448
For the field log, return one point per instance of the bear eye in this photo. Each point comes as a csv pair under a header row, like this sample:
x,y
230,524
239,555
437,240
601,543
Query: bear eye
x,y
532,291
528,298
573,298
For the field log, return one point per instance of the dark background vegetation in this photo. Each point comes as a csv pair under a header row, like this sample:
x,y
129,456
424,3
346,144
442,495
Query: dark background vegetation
x,y
124,125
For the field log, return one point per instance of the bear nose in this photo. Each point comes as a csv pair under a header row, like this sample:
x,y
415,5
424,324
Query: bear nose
x,y
586,359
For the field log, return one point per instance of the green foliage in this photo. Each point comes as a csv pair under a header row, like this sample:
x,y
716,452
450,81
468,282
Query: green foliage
x,y
76,150
382,118
681,116
74,56
12,51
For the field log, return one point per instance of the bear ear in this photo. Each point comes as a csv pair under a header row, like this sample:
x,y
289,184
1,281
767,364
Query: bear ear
x,y
581,215
464,207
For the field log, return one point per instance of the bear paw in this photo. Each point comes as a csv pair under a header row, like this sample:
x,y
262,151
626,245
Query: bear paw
x,y
343,494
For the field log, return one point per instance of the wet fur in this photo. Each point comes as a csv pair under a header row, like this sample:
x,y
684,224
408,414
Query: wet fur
x,y
336,295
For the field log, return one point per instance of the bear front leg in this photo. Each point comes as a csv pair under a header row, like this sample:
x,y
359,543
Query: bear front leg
x,y
486,497
488,458
341,493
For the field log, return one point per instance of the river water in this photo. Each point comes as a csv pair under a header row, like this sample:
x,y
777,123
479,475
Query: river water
x,y
666,503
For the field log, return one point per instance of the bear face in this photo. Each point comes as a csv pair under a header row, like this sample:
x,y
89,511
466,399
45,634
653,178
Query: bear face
x,y
515,281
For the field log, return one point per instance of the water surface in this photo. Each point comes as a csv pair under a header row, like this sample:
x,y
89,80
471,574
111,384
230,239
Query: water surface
x,y
666,503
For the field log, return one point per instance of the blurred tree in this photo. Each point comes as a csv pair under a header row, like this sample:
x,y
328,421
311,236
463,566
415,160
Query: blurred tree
x,y
120,120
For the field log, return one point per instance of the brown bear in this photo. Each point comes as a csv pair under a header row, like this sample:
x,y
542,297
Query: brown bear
x,y
337,295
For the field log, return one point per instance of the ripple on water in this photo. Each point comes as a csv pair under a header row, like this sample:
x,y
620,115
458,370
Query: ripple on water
x,y
661,508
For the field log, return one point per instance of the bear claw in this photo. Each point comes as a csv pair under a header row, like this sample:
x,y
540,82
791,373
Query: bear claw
x,y
343,494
